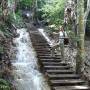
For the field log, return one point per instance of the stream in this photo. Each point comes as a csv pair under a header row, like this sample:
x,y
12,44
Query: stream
x,y
25,67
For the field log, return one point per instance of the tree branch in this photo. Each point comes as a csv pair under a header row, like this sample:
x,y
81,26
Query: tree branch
x,y
87,12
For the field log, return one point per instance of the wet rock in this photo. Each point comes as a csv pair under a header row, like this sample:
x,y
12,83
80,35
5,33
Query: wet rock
x,y
23,40
16,35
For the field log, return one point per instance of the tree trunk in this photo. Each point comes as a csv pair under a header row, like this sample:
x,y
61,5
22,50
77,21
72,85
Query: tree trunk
x,y
81,34
86,13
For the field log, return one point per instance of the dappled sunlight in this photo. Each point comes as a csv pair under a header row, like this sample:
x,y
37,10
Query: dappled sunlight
x,y
81,87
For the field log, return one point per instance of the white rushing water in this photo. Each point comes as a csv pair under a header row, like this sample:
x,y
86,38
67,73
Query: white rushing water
x,y
26,74
50,42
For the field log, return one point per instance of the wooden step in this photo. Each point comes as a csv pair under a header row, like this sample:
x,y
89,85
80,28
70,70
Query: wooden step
x,y
44,48
56,67
41,46
54,63
76,87
59,71
67,82
41,54
40,51
46,57
38,44
49,60
64,76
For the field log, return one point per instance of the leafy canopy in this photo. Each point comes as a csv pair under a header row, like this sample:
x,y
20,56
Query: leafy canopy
x,y
26,2
54,11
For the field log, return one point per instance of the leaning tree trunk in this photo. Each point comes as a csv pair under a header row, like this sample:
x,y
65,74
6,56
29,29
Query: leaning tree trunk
x,y
86,13
81,33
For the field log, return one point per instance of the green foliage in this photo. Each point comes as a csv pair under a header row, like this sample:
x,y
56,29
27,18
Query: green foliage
x,y
4,85
5,30
54,11
26,2
18,22
40,3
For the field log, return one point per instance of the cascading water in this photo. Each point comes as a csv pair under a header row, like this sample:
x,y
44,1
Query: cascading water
x,y
26,74
41,30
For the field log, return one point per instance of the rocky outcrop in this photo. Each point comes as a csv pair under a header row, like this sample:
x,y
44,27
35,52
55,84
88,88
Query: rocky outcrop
x,y
5,54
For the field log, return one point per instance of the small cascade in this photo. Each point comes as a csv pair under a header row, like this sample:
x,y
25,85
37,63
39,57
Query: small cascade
x,y
25,68
41,30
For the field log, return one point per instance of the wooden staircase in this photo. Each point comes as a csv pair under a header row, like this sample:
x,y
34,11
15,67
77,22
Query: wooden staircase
x,y
60,76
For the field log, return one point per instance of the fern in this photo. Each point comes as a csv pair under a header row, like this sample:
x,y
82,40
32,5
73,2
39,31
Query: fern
x,y
4,85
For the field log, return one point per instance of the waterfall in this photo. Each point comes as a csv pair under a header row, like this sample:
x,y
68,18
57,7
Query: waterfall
x,y
25,68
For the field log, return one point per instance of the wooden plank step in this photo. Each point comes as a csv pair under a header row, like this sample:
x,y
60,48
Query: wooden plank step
x,y
38,44
76,87
59,71
54,63
43,50
45,57
48,57
49,60
56,67
38,51
41,54
41,46
64,76
67,82
41,42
